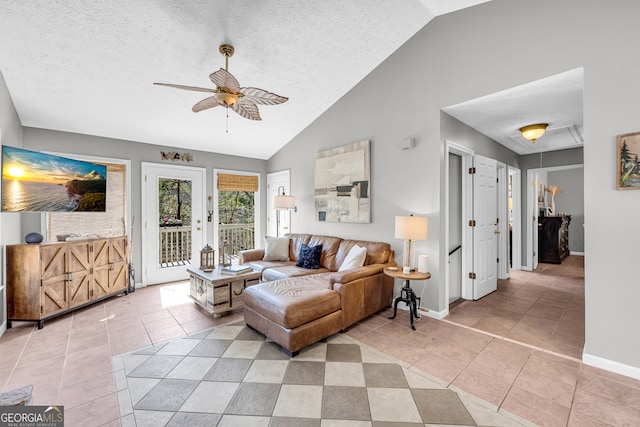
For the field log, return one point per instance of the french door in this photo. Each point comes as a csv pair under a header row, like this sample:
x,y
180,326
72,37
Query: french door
x,y
172,214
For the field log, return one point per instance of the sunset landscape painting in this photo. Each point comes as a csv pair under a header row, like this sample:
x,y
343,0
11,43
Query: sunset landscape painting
x,y
39,182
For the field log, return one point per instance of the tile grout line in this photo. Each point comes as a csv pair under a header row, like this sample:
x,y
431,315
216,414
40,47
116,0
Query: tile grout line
x,y
531,346
15,365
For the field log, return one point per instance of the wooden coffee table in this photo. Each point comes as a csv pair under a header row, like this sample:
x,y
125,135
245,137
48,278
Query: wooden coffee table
x,y
218,293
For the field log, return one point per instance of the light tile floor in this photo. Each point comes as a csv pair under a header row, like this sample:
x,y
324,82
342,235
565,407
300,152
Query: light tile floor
x,y
233,375
70,361
519,348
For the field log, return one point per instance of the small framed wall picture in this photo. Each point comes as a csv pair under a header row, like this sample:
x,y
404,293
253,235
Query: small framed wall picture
x,y
628,161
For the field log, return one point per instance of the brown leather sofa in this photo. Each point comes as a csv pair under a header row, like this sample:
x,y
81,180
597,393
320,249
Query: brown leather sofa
x,y
296,307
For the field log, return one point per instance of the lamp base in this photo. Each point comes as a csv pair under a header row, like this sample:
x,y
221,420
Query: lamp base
x,y
408,255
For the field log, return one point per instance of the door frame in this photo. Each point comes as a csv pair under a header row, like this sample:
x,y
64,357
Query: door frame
x,y
466,155
144,166
516,229
257,230
532,229
503,221
284,175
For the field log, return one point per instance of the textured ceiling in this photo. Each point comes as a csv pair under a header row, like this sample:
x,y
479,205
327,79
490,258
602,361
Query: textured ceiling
x,y
555,100
88,66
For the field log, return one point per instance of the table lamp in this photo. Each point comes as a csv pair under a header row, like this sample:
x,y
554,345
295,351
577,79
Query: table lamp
x,y
411,228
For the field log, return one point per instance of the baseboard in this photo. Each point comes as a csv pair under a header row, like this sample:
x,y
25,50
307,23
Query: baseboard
x,y
610,365
439,315
577,253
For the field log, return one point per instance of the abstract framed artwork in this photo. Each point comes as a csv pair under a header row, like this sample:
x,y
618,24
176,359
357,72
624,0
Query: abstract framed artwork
x,y
628,165
342,184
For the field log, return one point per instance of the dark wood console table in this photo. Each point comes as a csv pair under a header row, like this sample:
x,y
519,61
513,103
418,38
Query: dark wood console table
x,y
553,238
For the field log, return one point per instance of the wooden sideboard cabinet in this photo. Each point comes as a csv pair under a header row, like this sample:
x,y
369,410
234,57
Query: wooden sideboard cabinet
x,y
553,238
50,279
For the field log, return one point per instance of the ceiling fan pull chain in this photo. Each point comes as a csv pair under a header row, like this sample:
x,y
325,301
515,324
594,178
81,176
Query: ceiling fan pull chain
x,y
227,124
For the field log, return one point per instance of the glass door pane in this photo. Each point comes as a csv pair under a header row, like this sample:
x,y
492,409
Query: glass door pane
x,y
174,222
236,231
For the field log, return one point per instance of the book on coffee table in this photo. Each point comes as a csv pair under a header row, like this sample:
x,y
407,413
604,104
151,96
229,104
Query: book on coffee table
x,y
236,270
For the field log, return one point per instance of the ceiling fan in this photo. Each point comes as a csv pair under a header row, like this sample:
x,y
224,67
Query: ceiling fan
x,y
229,94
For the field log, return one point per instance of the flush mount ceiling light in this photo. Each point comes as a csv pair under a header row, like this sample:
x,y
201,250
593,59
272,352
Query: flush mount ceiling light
x,y
533,132
229,94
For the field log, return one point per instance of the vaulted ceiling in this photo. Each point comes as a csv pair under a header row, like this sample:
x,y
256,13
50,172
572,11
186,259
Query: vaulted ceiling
x,y
89,67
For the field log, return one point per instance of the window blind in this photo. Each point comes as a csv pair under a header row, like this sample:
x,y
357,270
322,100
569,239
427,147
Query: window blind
x,y
230,182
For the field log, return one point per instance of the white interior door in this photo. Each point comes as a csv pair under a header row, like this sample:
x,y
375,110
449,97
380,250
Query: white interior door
x,y
168,249
278,222
485,233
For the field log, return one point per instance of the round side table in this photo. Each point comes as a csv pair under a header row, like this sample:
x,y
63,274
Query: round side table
x,y
406,293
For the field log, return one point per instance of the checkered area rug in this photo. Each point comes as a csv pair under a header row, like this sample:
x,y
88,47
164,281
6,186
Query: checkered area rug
x,y
233,376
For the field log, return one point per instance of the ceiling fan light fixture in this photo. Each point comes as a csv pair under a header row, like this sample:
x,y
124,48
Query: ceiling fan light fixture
x,y
533,132
228,93
227,99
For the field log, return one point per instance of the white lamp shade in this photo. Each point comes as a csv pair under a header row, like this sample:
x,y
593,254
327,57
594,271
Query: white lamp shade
x,y
284,203
412,227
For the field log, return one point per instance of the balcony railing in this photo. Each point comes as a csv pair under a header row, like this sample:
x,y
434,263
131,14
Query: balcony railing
x,y
239,237
175,246
175,242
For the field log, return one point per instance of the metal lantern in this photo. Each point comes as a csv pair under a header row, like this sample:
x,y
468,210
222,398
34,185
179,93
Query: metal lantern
x,y
207,258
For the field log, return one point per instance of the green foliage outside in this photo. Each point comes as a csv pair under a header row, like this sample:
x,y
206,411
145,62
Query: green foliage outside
x,y
236,207
174,197
174,200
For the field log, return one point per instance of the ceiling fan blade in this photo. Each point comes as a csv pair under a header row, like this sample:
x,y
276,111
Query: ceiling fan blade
x,y
206,104
193,88
247,109
261,96
223,78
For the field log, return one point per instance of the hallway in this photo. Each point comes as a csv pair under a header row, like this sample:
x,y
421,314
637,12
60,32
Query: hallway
x,y
543,309
519,349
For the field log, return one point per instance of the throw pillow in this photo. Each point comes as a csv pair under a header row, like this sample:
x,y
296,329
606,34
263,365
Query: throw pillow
x,y
355,258
276,249
309,257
